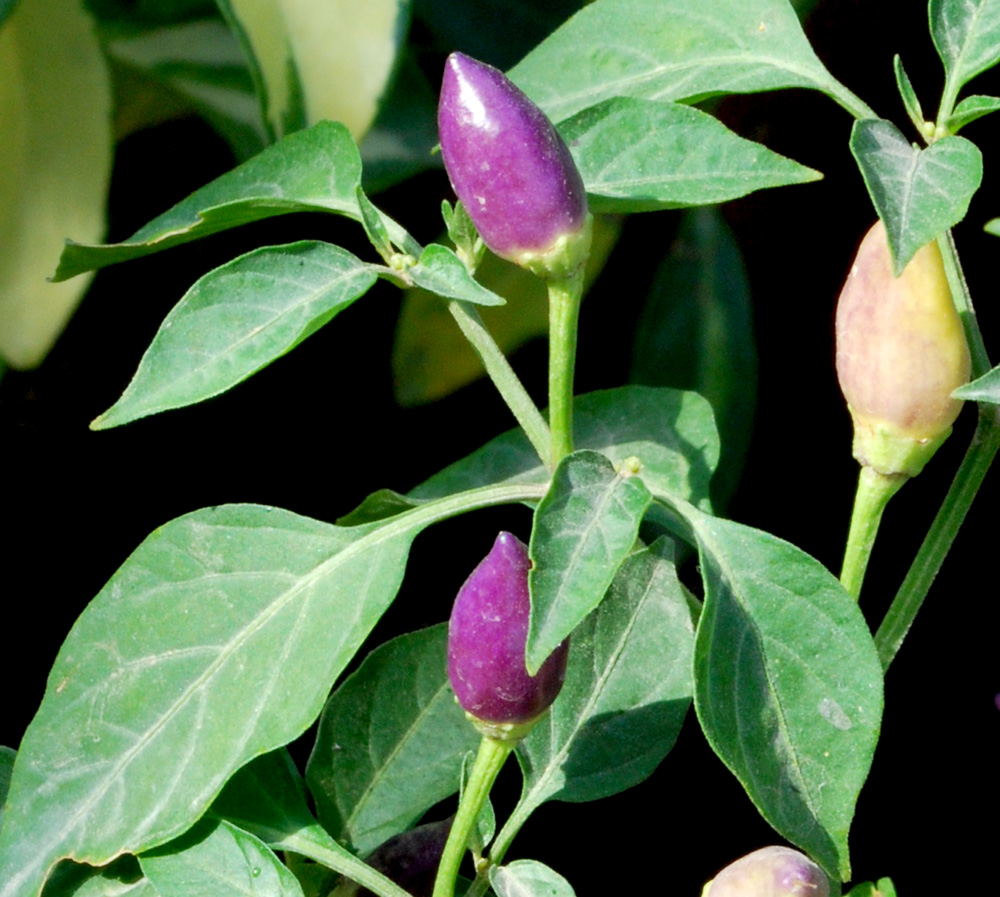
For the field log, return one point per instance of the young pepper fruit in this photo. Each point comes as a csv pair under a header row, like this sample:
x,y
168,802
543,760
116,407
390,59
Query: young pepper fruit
x,y
487,634
770,872
901,350
512,171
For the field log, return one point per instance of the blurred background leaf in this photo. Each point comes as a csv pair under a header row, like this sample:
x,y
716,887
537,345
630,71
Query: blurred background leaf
x,y
55,142
696,332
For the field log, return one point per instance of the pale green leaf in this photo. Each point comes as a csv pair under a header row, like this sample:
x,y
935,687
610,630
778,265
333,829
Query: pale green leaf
x,y
215,859
442,272
217,640
583,529
237,319
528,878
970,109
982,389
671,50
320,60
908,95
318,169
390,743
202,61
788,685
627,690
672,433
55,147
966,34
639,155
918,193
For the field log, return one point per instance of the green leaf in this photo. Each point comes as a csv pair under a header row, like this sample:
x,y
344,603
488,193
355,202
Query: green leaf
x,y
312,170
122,878
696,332
884,888
627,690
7,756
670,50
379,505
56,148
908,94
6,8
982,389
236,320
966,35
390,742
671,432
528,878
201,60
918,193
218,858
583,529
375,230
217,640
788,685
969,110
320,60
442,272
640,155
267,798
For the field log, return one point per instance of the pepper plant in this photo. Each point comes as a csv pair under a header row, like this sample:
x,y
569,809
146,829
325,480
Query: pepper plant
x,y
163,760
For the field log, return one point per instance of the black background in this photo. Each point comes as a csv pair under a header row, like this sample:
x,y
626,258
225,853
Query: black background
x,y
318,430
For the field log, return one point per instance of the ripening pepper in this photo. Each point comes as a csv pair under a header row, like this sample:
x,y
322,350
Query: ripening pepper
x,y
487,634
512,171
770,872
901,350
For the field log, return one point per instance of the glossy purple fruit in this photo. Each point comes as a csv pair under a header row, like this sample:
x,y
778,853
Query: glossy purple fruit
x,y
507,163
486,638
770,872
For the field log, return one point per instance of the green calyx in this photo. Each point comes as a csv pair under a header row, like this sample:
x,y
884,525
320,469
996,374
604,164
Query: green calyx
x,y
505,733
564,258
883,448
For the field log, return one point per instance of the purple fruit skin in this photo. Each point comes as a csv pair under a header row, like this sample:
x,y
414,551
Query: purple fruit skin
x,y
487,633
506,162
771,872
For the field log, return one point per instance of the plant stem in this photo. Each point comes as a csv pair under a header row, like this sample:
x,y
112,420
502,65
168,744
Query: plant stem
x,y
874,491
981,452
963,303
503,377
564,314
848,100
939,538
489,760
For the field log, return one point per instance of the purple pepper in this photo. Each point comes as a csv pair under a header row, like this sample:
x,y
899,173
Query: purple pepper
x,y
487,634
770,872
511,169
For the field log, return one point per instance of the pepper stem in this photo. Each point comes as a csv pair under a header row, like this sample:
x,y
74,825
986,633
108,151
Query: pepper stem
x,y
874,491
564,314
489,760
502,374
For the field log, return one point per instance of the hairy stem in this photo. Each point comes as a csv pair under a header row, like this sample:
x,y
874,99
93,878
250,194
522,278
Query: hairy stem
x,y
874,491
950,516
503,377
564,314
489,761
